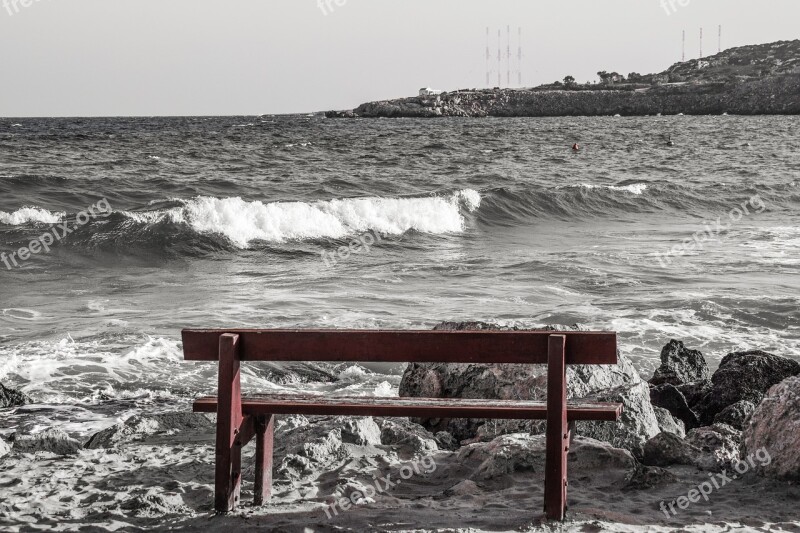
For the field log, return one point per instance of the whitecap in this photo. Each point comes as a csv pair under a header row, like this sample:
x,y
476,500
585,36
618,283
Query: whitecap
x,y
243,221
30,214
633,188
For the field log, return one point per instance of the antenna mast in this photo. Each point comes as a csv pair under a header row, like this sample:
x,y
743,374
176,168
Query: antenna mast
x,y
683,47
499,61
487,56
519,56
508,56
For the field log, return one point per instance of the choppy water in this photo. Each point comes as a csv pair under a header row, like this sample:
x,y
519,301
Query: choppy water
x,y
223,222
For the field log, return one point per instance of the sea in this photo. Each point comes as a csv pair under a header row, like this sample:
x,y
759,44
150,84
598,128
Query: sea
x,y
116,233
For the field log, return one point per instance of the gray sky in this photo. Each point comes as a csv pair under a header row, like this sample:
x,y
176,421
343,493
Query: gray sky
x,y
198,57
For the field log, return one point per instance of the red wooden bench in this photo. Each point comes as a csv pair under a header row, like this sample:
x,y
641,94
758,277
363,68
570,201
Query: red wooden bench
x,y
240,418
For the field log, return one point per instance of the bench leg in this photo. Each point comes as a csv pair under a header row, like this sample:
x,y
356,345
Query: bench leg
x,y
227,485
265,428
555,477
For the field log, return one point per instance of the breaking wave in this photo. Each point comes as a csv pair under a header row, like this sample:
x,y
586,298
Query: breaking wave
x,y
27,215
242,221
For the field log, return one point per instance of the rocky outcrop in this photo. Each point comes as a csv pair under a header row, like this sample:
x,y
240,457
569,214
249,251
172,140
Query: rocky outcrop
x,y
744,376
295,373
50,440
719,446
712,448
411,439
680,365
521,452
12,397
307,444
617,383
140,426
773,434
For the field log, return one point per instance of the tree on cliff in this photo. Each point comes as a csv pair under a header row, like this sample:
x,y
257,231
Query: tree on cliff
x,y
607,78
569,81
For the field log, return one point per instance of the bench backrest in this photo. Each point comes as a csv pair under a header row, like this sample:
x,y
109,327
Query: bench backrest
x,y
531,347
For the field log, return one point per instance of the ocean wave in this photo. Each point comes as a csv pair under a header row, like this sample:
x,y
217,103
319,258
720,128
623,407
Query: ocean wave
x,y
506,206
26,215
242,222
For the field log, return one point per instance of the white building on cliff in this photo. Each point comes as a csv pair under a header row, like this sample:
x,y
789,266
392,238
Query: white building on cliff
x,y
427,91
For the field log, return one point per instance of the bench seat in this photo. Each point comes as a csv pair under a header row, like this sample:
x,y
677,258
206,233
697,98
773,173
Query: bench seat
x,y
302,404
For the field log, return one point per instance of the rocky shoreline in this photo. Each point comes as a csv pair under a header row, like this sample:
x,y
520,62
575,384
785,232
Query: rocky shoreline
x,y
777,96
682,428
750,80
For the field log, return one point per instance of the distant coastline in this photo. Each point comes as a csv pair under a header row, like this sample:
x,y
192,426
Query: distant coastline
x,y
750,80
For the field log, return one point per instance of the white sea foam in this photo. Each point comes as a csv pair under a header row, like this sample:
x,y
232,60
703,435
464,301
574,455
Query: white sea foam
x,y
633,188
30,214
242,221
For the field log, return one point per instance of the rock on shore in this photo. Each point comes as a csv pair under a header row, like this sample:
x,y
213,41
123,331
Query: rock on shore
x,y
615,383
775,427
12,397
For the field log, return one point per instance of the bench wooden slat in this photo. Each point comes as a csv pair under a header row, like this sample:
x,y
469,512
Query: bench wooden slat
x,y
259,404
582,347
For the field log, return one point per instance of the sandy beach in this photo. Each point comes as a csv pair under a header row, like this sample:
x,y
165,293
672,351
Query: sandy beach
x,y
165,480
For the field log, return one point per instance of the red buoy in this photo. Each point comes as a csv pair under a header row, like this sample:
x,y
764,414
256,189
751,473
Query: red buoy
x,y
575,147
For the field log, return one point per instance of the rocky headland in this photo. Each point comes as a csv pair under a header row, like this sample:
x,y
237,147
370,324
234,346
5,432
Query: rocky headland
x,y
749,80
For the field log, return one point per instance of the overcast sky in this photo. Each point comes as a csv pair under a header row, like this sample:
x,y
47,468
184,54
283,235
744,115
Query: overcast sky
x,y
245,57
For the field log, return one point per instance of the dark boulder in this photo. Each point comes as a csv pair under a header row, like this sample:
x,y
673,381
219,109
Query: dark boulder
x,y
668,397
744,376
668,449
736,415
680,365
12,397
695,392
